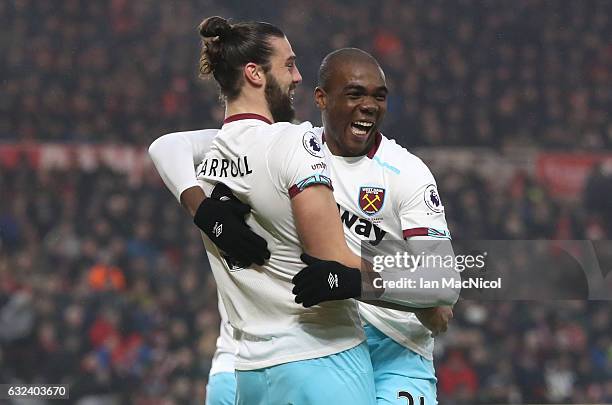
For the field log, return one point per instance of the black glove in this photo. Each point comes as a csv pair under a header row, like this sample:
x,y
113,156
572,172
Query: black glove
x,y
323,280
221,218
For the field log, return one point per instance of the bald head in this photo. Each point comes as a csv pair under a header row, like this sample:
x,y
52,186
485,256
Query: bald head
x,y
352,97
336,60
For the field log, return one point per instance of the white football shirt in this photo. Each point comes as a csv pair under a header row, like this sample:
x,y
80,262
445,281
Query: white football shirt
x,y
225,353
265,165
390,193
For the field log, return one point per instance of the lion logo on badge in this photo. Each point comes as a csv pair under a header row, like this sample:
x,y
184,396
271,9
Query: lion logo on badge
x,y
432,199
312,145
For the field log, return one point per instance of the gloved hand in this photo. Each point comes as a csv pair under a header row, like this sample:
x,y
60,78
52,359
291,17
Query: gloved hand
x,y
323,280
221,218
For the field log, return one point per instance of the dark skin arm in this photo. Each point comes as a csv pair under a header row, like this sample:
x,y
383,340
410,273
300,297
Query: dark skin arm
x,y
192,198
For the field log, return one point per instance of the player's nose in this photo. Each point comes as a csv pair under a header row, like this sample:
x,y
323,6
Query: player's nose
x,y
368,106
297,76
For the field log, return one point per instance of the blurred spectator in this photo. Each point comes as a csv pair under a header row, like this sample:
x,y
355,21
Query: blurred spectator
x,y
102,277
79,306
457,378
16,317
467,73
598,200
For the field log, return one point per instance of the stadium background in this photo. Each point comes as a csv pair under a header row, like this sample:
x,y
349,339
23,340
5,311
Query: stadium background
x,y
103,280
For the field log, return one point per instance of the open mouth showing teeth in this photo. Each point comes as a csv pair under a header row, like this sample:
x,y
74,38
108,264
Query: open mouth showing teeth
x,y
361,127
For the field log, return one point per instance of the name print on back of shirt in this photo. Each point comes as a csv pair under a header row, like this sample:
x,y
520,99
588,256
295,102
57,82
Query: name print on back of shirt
x,y
225,167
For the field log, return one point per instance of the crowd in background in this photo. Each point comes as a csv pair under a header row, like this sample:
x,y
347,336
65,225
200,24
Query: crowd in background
x,y
500,73
104,284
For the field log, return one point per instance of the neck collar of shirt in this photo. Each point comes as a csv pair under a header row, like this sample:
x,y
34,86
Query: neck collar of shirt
x,y
373,149
246,116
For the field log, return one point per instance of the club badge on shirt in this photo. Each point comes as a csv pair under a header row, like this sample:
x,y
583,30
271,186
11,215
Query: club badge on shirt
x,y
371,199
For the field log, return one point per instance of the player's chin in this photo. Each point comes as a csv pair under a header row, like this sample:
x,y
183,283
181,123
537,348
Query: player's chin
x,y
355,146
359,138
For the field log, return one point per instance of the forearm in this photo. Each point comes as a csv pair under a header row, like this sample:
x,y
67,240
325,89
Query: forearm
x,y
175,155
415,285
369,280
321,236
372,295
426,289
192,198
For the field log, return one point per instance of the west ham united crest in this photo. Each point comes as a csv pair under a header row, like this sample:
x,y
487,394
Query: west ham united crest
x,y
371,199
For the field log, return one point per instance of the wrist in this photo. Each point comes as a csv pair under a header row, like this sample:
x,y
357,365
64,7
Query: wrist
x,y
371,285
201,214
192,199
356,280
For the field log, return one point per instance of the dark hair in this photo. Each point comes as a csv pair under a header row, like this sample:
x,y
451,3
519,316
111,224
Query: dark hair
x,y
226,48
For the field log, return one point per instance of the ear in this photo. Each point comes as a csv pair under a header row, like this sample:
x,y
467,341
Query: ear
x,y
254,74
320,98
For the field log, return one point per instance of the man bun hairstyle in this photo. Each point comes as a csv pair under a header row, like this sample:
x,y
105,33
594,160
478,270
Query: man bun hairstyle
x,y
212,30
214,27
227,48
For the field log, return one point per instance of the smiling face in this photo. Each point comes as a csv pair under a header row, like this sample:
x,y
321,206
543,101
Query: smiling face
x,y
281,80
353,104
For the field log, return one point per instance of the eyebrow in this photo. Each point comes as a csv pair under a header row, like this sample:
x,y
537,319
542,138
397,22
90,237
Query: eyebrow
x,y
291,59
361,88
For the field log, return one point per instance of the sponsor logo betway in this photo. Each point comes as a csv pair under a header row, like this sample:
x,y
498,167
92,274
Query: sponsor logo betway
x,y
361,226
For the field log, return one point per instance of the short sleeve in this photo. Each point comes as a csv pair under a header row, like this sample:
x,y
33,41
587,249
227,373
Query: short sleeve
x,y
297,161
421,211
